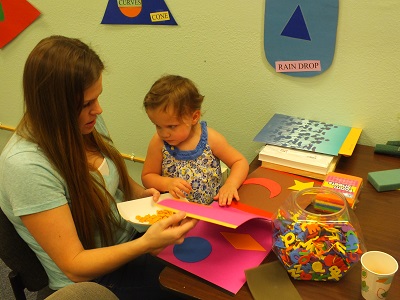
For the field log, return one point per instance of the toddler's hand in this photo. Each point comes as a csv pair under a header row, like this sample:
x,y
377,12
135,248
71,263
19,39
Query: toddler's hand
x,y
177,187
226,194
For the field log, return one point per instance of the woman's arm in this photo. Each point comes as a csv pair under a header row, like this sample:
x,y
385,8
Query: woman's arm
x,y
55,232
137,191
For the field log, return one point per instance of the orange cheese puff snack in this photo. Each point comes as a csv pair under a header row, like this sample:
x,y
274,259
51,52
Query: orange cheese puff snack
x,y
151,219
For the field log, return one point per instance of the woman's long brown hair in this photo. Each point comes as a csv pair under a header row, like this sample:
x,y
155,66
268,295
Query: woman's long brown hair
x,y
56,74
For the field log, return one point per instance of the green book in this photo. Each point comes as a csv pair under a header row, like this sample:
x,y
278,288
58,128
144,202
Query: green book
x,y
387,180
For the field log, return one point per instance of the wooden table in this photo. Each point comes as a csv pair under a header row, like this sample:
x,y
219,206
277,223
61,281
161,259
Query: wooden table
x,y
377,213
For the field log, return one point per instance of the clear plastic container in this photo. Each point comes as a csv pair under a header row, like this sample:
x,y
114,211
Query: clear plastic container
x,y
316,235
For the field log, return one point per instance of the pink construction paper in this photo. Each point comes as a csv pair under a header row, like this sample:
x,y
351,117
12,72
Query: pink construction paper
x,y
221,215
225,265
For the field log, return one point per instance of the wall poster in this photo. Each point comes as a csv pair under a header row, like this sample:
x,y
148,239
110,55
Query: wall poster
x,y
150,12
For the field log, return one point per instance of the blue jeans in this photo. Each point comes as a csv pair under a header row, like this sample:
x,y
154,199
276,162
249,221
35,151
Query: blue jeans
x,y
137,279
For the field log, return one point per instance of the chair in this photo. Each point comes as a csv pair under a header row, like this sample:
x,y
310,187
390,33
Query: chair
x,y
26,269
83,290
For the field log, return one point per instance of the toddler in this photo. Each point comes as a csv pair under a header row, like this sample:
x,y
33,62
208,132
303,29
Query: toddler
x,y
184,155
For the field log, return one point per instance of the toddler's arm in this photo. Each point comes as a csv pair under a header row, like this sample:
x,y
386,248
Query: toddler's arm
x,y
151,173
237,163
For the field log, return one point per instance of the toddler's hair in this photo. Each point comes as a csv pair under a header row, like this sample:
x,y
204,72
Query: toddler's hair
x,y
174,92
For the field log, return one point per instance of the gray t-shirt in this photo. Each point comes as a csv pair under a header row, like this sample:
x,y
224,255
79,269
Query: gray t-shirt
x,y
29,184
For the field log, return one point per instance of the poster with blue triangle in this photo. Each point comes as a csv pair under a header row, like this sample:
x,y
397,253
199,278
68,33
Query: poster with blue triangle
x,y
148,12
300,36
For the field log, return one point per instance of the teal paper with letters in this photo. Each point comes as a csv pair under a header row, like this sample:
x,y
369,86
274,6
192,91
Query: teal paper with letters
x,y
303,134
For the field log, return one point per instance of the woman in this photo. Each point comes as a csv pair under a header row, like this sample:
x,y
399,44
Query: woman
x,y
61,178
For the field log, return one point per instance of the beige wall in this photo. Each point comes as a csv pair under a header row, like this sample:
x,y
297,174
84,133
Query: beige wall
x,y
219,45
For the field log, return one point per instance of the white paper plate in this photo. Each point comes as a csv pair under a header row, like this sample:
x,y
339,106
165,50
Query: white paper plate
x,y
140,207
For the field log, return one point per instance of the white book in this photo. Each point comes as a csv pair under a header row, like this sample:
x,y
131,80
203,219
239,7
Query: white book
x,y
298,159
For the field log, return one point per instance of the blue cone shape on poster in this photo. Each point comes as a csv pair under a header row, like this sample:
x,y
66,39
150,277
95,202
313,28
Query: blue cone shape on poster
x,y
299,31
296,27
150,12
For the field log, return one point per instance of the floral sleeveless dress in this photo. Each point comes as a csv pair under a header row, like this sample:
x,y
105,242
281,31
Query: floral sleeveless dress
x,y
199,167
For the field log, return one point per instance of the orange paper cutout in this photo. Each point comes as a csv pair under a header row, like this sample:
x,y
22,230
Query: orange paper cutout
x,y
269,184
243,241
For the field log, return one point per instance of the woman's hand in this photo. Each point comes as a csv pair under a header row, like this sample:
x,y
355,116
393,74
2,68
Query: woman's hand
x,y
168,231
137,191
151,192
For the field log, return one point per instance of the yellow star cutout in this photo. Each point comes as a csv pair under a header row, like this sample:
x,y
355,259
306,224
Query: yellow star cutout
x,y
301,185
